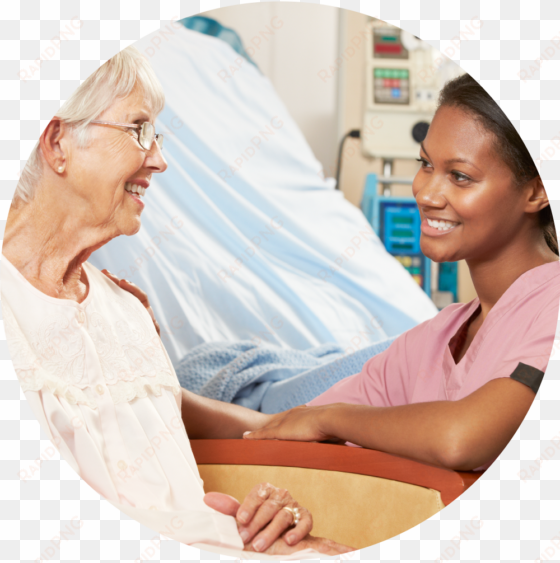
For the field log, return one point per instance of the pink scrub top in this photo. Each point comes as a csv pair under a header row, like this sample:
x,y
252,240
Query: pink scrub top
x,y
515,340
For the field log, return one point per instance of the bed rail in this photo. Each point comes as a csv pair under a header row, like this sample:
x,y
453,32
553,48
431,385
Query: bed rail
x,y
331,457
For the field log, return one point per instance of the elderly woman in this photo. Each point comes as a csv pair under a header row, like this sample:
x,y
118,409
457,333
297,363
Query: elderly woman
x,y
85,349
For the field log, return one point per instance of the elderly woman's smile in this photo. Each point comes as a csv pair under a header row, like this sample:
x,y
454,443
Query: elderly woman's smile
x,y
136,188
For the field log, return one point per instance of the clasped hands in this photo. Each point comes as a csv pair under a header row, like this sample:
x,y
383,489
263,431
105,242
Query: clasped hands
x,y
263,524
266,527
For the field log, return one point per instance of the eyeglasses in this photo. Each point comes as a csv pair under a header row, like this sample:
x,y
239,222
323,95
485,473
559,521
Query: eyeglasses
x,y
145,135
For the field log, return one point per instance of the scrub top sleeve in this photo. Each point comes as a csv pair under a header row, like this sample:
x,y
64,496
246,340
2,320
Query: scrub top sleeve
x,y
383,381
526,360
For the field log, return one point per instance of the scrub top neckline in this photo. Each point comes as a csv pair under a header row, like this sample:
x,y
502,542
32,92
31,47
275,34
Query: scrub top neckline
x,y
510,296
464,327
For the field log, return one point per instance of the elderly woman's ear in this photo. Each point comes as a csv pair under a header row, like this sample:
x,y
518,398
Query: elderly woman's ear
x,y
54,146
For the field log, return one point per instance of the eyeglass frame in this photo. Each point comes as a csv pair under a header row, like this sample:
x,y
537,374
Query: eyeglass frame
x,y
157,136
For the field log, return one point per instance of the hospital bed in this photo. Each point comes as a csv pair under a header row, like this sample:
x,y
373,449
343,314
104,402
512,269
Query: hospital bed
x,y
357,497
242,237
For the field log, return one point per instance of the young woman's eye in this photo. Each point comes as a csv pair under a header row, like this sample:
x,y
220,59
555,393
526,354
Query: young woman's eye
x,y
460,177
424,162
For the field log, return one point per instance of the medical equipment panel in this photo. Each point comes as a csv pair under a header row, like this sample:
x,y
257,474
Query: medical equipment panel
x,y
399,225
396,220
403,79
387,43
391,85
448,279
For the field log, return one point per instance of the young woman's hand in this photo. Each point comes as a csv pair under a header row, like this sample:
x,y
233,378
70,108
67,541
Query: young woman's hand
x,y
261,517
137,292
302,424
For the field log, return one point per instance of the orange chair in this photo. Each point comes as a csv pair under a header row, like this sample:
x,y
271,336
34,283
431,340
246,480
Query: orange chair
x,y
358,497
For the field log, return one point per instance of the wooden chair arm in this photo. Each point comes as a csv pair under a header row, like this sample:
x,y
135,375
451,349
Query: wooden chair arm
x,y
331,457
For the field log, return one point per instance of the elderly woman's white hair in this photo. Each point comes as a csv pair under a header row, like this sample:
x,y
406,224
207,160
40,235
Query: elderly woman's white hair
x,y
112,81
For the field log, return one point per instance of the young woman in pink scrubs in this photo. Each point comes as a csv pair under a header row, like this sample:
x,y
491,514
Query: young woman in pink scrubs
x,y
453,390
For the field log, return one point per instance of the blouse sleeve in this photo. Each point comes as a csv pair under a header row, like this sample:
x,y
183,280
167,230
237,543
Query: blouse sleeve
x,y
207,527
197,524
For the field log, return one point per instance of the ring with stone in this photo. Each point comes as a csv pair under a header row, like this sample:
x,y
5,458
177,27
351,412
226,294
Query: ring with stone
x,y
295,514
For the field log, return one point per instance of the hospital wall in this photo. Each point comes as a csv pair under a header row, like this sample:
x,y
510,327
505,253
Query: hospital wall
x,y
291,43
296,46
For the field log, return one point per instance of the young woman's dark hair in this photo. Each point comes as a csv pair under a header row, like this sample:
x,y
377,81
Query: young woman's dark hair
x,y
466,93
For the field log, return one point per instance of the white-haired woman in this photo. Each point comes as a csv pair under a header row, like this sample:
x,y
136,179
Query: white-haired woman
x,y
86,350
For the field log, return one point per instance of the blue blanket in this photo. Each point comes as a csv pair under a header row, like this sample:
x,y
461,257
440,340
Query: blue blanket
x,y
266,377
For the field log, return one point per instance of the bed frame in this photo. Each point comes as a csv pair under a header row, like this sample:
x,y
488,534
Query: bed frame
x,y
357,497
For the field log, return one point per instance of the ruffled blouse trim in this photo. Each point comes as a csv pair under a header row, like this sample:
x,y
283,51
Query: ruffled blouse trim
x,y
121,391
66,375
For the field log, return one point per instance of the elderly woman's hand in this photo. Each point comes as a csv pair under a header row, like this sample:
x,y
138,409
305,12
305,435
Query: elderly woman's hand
x,y
137,292
262,517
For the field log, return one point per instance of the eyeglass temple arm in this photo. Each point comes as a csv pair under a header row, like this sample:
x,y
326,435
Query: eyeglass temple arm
x,y
131,125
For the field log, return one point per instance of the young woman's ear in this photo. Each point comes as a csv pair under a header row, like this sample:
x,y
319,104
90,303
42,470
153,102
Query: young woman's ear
x,y
538,199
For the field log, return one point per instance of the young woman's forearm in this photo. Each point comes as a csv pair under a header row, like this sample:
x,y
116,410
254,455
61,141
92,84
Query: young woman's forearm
x,y
463,434
208,418
421,431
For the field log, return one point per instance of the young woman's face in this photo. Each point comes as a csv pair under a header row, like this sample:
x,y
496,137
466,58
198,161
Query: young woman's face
x,y
465,192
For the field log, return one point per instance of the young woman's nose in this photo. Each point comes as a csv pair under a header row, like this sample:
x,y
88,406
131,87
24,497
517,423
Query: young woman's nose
x,y
430,192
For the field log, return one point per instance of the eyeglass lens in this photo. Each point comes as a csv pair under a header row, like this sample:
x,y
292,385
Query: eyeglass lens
x,y
147,135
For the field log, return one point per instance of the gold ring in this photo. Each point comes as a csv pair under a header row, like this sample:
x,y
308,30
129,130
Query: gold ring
x,y
295,514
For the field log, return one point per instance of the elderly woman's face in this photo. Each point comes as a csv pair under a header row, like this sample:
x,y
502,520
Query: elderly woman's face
x,y
115,160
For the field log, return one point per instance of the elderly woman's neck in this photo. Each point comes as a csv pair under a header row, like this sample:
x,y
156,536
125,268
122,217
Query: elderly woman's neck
x,y
50,246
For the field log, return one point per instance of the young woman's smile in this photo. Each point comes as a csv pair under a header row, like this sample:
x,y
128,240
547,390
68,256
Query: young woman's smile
x,y
437,226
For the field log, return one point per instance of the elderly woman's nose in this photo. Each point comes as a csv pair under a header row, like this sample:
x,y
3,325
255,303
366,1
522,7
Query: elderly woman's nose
x,y
155,159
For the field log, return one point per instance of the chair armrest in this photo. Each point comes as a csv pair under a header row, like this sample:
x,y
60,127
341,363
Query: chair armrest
x,y
331,457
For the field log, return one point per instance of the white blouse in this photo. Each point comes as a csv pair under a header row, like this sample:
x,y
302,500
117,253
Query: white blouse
x,y
101,384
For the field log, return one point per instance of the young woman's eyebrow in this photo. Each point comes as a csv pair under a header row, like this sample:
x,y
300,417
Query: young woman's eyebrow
x,y
451,160
463,160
